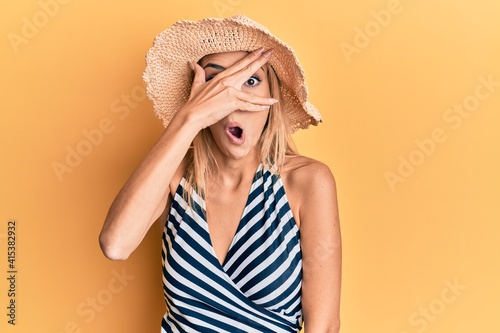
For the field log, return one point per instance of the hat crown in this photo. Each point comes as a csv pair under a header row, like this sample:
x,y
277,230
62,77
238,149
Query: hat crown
x,y
242,19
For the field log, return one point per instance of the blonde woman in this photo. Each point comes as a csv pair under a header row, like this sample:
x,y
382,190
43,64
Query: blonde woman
x,y
252,238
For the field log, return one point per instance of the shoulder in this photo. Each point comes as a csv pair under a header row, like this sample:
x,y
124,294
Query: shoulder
x,y
306,173
309,185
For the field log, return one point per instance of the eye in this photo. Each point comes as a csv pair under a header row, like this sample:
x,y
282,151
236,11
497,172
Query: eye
x,y
210,77
253,81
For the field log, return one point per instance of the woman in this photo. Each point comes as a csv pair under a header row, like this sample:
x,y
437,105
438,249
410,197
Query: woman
x,y
252,238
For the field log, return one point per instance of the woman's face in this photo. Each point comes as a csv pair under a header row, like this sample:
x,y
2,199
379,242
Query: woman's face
x,y
238,134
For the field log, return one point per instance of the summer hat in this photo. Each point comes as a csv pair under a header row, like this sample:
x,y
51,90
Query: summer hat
x,y
168,76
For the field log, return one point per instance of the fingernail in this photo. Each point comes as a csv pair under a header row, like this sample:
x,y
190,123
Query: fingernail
x,y
268,53
264,107
273,100
259,50
191,65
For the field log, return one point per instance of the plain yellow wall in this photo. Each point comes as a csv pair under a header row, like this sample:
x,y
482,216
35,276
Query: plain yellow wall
x,y
410,94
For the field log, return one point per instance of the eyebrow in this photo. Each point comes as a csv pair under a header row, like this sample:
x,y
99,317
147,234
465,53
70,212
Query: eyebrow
x,y
214,66
221,68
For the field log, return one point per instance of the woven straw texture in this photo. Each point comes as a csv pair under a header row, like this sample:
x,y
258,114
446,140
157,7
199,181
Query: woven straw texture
x,y
168,76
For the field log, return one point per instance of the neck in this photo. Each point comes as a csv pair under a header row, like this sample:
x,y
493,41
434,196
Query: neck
x,y
233,172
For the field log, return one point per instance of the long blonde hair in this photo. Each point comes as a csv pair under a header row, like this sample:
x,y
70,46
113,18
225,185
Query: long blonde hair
x,y
275,143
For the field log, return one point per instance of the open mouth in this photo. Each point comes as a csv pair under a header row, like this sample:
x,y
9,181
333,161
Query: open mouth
x,y
236,131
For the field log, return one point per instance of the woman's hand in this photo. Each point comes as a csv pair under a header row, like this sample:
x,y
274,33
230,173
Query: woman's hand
x,y
211,101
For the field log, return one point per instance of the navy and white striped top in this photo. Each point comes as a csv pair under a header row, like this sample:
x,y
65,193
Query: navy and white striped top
x,y
256,289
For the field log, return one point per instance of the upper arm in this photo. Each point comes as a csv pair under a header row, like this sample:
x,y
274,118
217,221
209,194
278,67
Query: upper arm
x,y
162,219
321,249
161,212
128,222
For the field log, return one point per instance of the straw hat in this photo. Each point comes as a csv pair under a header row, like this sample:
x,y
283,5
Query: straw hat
x,y
168,76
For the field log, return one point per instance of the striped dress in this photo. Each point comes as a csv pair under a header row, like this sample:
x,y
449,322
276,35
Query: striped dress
x,y
258,286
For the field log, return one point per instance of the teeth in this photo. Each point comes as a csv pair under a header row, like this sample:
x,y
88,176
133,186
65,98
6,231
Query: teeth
x,y
236,131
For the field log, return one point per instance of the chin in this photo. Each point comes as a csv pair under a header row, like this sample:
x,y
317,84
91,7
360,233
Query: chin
x,y
236,153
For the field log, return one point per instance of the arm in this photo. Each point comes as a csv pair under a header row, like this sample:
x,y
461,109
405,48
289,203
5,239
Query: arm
x,y
144,196
321,251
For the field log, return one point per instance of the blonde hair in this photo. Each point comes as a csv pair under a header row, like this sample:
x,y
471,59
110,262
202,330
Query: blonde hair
x,y
275,144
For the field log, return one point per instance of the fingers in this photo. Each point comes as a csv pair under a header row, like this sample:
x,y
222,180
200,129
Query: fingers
x,y
247,66
249,98
247,106
222,95
248,102
240,71
199,74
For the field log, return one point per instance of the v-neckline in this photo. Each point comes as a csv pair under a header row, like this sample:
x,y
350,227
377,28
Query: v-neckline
x,y
243,214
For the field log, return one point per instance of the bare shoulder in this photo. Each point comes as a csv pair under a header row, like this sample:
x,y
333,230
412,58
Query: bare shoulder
x,y
306,173
309,184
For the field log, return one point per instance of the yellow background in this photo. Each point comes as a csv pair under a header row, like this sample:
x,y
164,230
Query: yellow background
x,y
404,241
